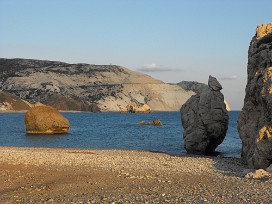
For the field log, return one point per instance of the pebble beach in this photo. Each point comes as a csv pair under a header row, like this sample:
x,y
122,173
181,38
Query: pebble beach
x,y
51,175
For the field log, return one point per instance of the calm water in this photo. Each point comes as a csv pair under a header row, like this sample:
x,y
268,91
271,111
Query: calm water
x,y
114,131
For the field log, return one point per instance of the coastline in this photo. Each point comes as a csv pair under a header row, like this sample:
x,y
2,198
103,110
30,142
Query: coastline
x,y
57,175
73,111
24,111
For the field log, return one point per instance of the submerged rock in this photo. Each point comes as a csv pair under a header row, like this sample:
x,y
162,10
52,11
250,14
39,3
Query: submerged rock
x,y
156,122
255,120
205,119
45,120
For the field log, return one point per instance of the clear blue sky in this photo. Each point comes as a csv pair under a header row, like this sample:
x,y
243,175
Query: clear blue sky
x,y
172,40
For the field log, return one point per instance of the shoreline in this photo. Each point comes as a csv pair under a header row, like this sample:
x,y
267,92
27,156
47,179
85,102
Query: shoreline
x,y
57,175
72,111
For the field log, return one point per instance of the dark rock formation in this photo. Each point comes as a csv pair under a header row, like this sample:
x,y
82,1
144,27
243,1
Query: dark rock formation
x,y
205,119
196,87
45,120
255,120
192,86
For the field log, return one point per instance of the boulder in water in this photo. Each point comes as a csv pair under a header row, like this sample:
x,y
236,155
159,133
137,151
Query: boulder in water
x,y
133,107
45,120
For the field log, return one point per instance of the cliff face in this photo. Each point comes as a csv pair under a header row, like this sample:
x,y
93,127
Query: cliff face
x,y
255,120
86,87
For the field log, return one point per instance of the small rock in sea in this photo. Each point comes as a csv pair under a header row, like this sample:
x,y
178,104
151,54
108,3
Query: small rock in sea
x,y
156,122
133,107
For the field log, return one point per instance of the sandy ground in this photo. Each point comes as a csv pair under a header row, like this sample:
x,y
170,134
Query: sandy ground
x,y
44,175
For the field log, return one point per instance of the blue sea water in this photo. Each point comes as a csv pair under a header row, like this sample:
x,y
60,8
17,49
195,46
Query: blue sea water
x,y
114,131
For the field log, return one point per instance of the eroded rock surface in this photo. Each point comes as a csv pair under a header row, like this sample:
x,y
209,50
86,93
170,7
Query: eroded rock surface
x,y
134,107
255,120
205,119
263,30
196,87
45,120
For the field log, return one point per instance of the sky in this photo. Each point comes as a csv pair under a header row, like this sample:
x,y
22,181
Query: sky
x,y
171,40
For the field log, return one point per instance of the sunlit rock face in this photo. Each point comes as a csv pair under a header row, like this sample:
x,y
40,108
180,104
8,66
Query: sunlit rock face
x,y
227,105
205,119
45,120
263,30
255,120
133,107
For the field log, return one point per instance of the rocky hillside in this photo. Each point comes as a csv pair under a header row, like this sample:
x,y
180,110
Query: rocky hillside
x,y
87,87
10,102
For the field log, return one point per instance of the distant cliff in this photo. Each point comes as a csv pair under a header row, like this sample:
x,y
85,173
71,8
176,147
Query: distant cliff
x,y
86,87
196,87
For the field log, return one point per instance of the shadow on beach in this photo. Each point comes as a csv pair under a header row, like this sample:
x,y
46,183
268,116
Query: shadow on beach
x,y
229,166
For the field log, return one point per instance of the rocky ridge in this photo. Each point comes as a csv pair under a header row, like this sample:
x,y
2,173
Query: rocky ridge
x,y
86,87
255,120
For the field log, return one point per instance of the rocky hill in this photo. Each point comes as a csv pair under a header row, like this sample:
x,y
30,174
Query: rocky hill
x,y
86,87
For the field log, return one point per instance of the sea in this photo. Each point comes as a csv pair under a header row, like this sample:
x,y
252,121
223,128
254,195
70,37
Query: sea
x,y
115,131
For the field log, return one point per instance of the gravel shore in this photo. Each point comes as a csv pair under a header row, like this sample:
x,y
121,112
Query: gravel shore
x,y
47,175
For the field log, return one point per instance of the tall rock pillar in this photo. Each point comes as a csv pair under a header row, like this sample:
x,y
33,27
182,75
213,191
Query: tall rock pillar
x,y
255,120
205,119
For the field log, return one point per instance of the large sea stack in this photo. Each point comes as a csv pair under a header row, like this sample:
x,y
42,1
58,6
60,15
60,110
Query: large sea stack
x,y
255,120
205,119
